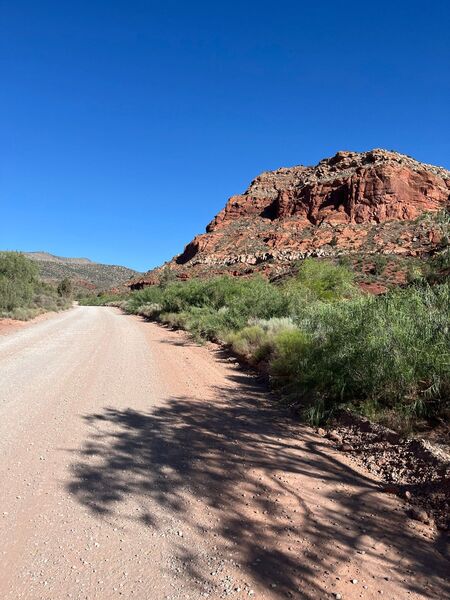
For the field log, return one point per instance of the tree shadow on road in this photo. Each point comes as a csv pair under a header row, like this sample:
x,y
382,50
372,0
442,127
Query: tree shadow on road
x,y
236,452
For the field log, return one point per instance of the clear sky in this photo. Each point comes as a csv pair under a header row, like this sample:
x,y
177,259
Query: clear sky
x,y
125,125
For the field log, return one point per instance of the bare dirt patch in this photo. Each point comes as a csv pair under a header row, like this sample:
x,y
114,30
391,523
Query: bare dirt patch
x,y
416,469
11,325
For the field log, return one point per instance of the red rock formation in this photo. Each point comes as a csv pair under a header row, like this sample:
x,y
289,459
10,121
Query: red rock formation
x,y
365,202
351,187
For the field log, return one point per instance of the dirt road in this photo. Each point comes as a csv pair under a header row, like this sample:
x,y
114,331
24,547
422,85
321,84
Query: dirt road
x,y
136,464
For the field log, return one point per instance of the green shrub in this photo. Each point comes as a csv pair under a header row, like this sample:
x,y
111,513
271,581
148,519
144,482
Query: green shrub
x,y
391,351
249,342
177,297
326,281
290,353
257,342
258,299
22,294
243,299
102,299
149,295
23,314
274,325
379,263
175,320
414,274
216,305
207,323
150,310
318,281
65,287
18,280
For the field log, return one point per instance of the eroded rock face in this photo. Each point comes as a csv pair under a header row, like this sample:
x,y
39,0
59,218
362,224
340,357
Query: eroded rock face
x,y
353,202
351,187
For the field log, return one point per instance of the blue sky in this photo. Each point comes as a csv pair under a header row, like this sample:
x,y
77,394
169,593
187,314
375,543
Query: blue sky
x,y
125,125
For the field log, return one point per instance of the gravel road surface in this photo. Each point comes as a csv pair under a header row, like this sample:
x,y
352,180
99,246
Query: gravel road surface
x,y
136,464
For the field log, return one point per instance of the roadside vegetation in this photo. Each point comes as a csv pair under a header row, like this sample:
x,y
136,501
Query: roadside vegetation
x,y
323,343
22,293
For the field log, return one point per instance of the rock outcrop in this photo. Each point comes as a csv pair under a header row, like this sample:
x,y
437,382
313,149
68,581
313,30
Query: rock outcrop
x,y
370,202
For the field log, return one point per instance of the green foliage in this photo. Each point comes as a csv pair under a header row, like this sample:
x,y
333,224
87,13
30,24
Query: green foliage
x,y
150,310
325,281
206,323
258,341
379,263
393,351
256,298
18,280
101,299
251,343
149,295
22,294
167,276
216,304
175,320
441,260
323,343
65,287
439,265
291,348
318,281
414,274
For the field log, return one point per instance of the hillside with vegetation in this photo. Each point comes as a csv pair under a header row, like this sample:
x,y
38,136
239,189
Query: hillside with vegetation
x,y
82,271
23,294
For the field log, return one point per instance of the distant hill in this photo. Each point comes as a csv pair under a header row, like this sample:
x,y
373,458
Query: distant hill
x,y
59,259
81,270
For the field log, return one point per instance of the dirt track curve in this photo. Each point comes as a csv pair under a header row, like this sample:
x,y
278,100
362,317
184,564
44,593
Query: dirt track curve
x,y
136,464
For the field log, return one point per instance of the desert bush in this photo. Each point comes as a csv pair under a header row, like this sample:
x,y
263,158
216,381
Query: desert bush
x,y
249,342
175,320
254,297
149,310
180,296
18,280
274,325
149,295
65,287
318,281
215,305
290,351
257,341
257,298
103,299
379,263
391,351
325,281
22,313
22,294
207,323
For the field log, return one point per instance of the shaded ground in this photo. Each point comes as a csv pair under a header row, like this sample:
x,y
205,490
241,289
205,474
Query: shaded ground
x,y
168,473
257,474
414,468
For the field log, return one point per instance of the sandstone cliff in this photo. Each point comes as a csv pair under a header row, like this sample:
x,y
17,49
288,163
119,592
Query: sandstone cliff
x,y
375,202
